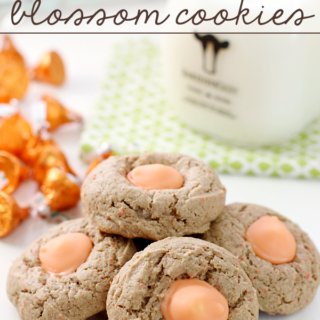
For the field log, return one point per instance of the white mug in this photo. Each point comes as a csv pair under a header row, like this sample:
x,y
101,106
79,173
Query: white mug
x,y
246,89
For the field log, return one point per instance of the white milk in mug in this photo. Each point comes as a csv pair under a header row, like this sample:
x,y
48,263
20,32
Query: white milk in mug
x,y
246,89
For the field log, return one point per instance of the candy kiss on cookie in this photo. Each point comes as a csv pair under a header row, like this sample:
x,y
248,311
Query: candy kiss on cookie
x,y
271,240
64,254
155,177
77,245
194,299
149,198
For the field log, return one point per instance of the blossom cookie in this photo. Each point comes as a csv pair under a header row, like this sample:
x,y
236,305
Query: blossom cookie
x,y
182,279
66,274
153,196
279,258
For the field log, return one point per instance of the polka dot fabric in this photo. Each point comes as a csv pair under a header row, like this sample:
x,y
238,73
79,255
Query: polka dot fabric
x,y
134,116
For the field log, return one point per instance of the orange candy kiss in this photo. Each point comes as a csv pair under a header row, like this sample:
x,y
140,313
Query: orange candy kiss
x,y
15,131
50,157
64,254
14,79
155,177
57,114
60,189
96,161
33,149
11,215
193,299
14,171
271,240
103,153
9,52
50,69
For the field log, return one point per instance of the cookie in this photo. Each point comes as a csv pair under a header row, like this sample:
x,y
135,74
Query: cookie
x,y
138,291
282,288
76,296
119,207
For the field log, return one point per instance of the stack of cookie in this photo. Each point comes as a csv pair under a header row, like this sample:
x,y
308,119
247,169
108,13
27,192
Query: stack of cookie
x,y
206,260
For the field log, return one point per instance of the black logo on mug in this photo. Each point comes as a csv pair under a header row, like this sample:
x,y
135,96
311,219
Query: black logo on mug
x,y
208,41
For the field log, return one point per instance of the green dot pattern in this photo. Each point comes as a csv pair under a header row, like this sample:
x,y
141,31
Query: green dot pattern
x,y
133,115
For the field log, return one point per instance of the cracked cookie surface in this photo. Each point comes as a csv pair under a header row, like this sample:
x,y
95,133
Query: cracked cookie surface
x,y
139,288
284,288
77,296
119,207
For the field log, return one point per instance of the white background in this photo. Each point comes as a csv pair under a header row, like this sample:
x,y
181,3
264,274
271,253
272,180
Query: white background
x,y
309,7
85,57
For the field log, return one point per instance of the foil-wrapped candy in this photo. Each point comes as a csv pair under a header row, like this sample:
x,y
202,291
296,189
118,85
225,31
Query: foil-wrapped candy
x,y
12,172
50,157
14,79
9,52
56,114
104,152
11,215
50,69
15,132
60,189
35,145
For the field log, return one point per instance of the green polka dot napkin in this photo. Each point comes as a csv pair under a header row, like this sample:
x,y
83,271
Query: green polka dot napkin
x,y
133,115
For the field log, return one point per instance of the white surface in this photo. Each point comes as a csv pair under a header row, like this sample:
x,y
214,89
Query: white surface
x,y
85,57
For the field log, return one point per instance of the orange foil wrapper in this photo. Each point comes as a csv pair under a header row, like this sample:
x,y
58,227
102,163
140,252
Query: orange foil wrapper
x,y
50,157
57,114
13,172
34,148
104,154
50,69
14,81
9,52
11,215
15,131
14,78
60,189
